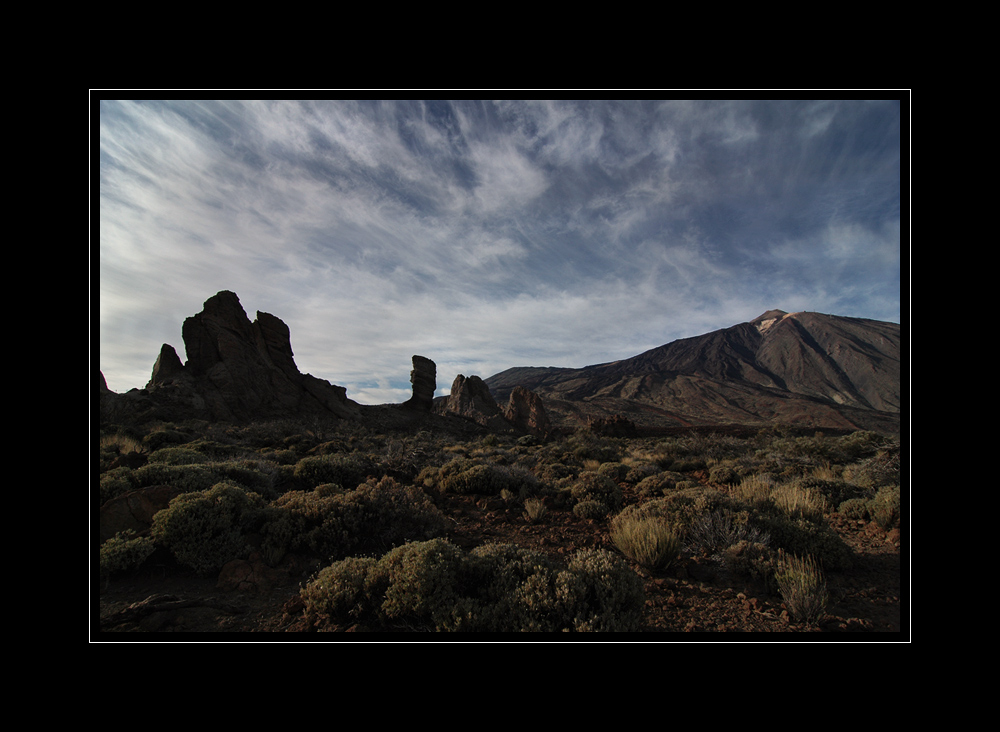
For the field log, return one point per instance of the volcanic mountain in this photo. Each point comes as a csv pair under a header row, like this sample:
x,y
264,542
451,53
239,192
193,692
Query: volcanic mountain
x,y
802,369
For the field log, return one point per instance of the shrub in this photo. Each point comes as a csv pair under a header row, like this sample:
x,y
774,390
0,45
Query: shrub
x,y
615,471
204,530
797,501
725,474
609,596
854,508
534,510
373,518
877,471
116,482
751,559
803,537
885,507
351,589
802,587
177,456
660,483
124,551
597,487
348,470
718,529
433,585
652,543
591,510
487,479
159,438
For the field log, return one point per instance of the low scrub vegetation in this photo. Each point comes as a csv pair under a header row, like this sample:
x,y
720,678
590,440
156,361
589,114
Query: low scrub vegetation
x,y
367,507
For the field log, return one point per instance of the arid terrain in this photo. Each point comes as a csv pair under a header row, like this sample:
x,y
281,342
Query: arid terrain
x,y
699,593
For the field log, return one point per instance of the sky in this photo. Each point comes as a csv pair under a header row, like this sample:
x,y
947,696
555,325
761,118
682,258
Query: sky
x,y
487,234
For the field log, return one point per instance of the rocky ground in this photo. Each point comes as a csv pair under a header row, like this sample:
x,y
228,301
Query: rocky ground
x,y
698,595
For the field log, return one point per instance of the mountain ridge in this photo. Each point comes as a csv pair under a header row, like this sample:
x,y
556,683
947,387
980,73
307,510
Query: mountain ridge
x,y
801,368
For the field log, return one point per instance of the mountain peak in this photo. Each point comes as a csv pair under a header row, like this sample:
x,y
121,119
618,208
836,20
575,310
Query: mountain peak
x,y
765,321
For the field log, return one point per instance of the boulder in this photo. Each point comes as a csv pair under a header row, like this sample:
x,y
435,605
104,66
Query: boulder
x,y
134,510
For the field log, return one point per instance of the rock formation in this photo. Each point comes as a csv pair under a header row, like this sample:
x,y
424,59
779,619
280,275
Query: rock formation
x,y
423,377
471,399
236,370
526,412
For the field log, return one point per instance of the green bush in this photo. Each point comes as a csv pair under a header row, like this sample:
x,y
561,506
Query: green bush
x,y
160,438
854,508
641,471
724,474
116,482
347,470
591,510
615,471
590,486
434,585
373,518
177,456
487,479
803,537
124,551
206,529
660,483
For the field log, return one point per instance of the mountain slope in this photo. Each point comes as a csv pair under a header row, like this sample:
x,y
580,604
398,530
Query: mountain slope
x,y
806,369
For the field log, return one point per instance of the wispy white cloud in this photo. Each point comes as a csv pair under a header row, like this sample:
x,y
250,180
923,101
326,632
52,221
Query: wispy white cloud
x,y
486,235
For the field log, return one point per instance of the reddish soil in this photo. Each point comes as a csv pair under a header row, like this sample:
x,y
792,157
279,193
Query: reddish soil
x,y
697,594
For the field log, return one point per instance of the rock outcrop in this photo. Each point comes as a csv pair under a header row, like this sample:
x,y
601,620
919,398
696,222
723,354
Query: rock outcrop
x,y
423,377
237,370
471,399
526,412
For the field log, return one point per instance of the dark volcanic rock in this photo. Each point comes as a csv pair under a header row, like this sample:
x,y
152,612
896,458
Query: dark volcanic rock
x,y
237,370
526,412
470,398
423,377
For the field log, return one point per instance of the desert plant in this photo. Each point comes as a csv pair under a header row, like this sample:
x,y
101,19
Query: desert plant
x,y
206,529
597,487
797,501
725,474
801,536
752,559
177,456
373,518
652,543
885,507
722,527
124,551
854,508
534,510
591,510
487,479
434,585
802,586
348,470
